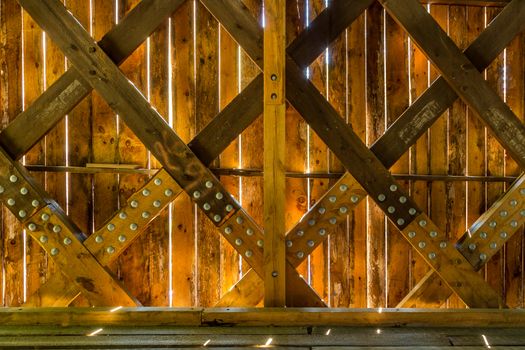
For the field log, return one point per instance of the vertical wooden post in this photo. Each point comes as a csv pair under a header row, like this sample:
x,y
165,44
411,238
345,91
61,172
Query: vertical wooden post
x,y
274,143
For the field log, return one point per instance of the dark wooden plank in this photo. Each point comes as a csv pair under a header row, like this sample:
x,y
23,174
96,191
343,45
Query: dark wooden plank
x,y
71,88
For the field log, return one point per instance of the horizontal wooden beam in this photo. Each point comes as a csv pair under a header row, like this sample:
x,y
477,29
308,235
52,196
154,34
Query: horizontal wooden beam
x,y
279,317
498,3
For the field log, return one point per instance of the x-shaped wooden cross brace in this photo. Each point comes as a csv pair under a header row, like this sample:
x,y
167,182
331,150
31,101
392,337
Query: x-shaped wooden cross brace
x,y
408,128
106,244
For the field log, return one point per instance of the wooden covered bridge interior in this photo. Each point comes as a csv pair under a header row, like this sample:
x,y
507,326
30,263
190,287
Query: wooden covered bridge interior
x,y
302,174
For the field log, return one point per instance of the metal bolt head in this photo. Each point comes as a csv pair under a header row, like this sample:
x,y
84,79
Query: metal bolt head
x,y
483,256
157,182
322,232
412,211
332,199
54,251
260,243
11,201
43,239
300,233
354,199
238,241
67,241
22,213
343,210
412,234
122,238
23,191
228,230
206,206
422,244
209,184
229,207
332,220
13,178
239,220
513,202
156,203
274,274
514,223
432,256
483,235
393,188
219,195
249,232
2,189
422,223
133,226
493,224
196,194
168,192
134,204
503,235
122,215
391,209
57,228
522,212
381,197
146,192
35,203
273,77
493,245
321,210
217,218
310,243
402,199
299,255
248,253
343,188
522,191
400,221
443,245
45,216
110,250
289,243
503,213
472,246
311,222
99,239
433,234
31,227
145,214
111,227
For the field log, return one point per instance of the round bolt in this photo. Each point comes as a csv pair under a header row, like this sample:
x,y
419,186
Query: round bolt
x,y
238,241
321,210
400,221
289,243
299,254
260,243
522,213
472,246
402,199
22,213
146,192
310,243
248,253
217,218
249,232
134,204
122,215
274,274
31,227
522,191
219,195
239,220
391,209
196,194
393,188
209,184
43,239
228,230
514,223
433,234
483,235
412,211
492,224
110,250
2,189
229,207
412,234
133,227
343,210
99,239
493,245
422,244
122,238
273,77
503,213
332,220
381,197
45,217
206,206
483,256
274,96
35,203
311,222
54,251
145,214
332,199
300,233
156,204
513,202
432,255
23,191
111,227
343,188
443,245
422,223
157,182
92,49
354,199
503,235
322,231
57,229
11,201
13,178
168,192
67,241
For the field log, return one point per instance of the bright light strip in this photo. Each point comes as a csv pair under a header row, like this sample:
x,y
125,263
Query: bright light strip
x,y
328,331
95,332
486,341
115,309
378,331
206,342
269,341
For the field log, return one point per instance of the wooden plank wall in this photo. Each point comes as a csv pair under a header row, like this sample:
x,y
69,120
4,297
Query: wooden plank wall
x,y
190,69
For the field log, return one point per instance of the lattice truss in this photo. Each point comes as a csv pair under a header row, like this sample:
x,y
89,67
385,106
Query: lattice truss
x,y
83,260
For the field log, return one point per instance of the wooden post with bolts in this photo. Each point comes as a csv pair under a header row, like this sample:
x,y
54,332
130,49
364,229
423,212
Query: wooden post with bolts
x,y
274,143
